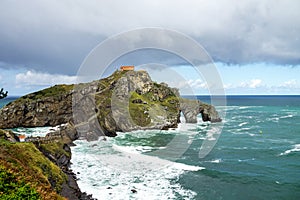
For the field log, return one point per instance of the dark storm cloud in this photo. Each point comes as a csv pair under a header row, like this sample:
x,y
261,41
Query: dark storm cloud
x,y
55,36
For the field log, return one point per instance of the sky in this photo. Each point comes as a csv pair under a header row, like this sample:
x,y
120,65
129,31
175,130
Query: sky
x,y
254,44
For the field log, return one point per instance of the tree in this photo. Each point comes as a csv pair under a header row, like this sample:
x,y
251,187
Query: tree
x,y
3,94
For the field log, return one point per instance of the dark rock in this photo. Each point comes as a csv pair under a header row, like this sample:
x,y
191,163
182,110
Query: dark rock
x,y
9,136
63,161
191,108
25,112
137,101
133,190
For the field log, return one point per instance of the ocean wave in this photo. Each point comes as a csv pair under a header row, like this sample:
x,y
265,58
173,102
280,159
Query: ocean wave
x,y
273,119
36,131
155,161
116,171
295,149
215,161
244,107
135,149
287,116
244,129
242,124
245,160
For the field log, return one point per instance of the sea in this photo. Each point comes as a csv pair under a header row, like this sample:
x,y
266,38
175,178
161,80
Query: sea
x,y
254,155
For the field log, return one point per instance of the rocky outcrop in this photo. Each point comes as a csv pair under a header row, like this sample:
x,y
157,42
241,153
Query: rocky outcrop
x,y
124,101
62,158
191,108
56,150
49,107
9,136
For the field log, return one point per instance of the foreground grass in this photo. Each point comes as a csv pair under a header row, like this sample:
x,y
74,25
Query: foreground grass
x,y
25,173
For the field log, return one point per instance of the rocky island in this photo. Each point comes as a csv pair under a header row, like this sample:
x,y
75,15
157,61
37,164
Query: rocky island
x,y
125,101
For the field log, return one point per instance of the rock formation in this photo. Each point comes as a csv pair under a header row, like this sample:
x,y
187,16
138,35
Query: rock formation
x,y
30,163
49,107
191,108
124,101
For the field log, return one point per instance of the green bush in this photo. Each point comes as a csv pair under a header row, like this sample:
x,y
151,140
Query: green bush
x,y
11,188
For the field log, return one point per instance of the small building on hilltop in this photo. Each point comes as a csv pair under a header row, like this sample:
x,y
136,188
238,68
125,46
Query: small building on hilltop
x,y
22,138
127,68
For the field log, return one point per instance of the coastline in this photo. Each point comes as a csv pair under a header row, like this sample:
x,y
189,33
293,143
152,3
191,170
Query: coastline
x,y
267,151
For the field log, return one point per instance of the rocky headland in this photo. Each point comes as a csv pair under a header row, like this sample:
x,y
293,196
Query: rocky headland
x,y
124,101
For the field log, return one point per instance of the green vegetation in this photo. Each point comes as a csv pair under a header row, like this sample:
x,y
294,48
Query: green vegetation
x,y
55,148
28,168
49,92
12,188
139,112
103,98
159,101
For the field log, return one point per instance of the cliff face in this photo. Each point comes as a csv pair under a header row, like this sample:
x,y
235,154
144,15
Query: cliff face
x,y
38,169
49,107
191,108
124,101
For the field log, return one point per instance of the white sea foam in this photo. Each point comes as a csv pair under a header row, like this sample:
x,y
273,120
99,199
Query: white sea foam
x,y
215,161
287,116
110,171
294,149
273,119
242,124
246,160
244,107
36,131
244,129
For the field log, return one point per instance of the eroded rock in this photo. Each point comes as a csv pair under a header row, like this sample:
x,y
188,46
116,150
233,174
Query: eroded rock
x,y
124,101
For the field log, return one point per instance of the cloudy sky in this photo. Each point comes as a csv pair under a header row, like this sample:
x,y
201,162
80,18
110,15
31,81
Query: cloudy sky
x,y
255,44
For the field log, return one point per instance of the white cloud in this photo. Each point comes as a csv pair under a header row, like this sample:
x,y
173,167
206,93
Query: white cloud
x,y
192,84
254,83
197,84
33,78
289,84
228,86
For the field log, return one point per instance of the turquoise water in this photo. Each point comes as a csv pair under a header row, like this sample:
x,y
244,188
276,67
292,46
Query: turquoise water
x,y
6,101
257,156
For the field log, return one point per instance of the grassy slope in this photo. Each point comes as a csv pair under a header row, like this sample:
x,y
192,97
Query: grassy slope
x,y
48,92
28,168
142,114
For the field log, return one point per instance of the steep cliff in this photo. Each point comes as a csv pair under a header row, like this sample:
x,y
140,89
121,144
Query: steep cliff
x,y
38,169
191,108
124,101
48,107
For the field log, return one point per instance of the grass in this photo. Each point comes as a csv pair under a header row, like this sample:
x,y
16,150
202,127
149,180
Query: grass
x,y
159,101
30,170
48,92
141,114
13,188
55,148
